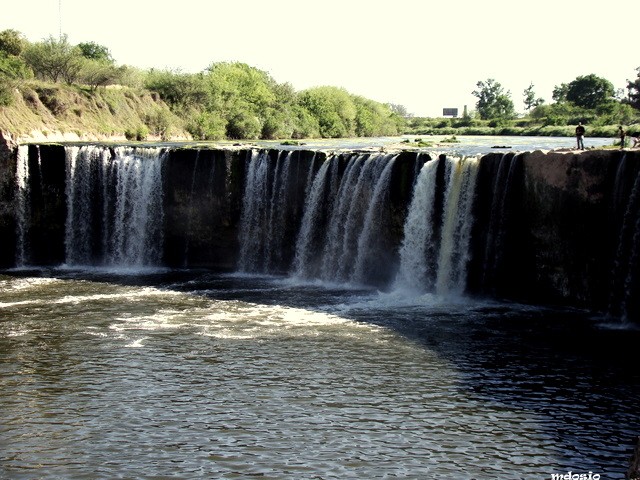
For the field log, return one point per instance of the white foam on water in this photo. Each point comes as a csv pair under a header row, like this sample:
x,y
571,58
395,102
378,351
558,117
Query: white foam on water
x,y
239,320
136,295
136,343
13,284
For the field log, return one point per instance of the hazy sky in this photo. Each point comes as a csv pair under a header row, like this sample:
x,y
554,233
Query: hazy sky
x,y
423,54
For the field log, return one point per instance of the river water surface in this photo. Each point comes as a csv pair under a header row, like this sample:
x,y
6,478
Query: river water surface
x,y
189,374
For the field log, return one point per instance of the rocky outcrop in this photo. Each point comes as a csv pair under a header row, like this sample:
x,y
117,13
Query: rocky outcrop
x,y
7,192
548,227
581,222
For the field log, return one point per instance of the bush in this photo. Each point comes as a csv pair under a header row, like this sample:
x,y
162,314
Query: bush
x,y
276,125
159,122
244,125
14,68
139,133
207,126
6,95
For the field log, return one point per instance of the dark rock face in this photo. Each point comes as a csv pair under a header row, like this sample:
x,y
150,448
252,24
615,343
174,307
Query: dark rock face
x,y
547,227
582,217
203,196
8,153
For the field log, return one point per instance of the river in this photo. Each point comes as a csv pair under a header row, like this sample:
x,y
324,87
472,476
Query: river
x,y
133,371
190,374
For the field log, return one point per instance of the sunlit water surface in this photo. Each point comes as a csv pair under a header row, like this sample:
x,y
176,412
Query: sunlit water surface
x,y
186,374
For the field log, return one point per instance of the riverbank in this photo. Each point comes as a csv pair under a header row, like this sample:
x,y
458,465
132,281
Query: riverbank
x,y
608,131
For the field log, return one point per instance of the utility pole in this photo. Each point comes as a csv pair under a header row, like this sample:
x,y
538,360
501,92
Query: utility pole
x,y
60,19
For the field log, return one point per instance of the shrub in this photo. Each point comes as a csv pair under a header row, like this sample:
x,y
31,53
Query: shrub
x,y
159,122
139,133
206,126
6,96
244,125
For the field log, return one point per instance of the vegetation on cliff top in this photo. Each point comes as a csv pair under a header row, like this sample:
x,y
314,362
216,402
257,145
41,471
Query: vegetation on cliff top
x,y
53,85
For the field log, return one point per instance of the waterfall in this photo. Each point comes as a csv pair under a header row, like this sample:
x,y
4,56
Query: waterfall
x,y
306,242
417,270
437,261
277,212
456,228
114,206
373,224
338,217
345,209
191,208
23,216
359,199
266,203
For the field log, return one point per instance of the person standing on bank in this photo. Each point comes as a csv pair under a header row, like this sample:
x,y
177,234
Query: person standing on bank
x,y
580,135
621,134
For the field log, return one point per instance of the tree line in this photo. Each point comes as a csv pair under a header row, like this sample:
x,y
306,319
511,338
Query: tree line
x,y
589,99
227,100
236,101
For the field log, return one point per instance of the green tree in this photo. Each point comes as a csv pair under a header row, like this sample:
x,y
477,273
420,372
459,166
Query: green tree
x,y
12,42
96,73
333,108
231,83
493,101
207,126
374,118
182,91
54,59
94,51
305,125
560,92
590,91
243,124
530,100
399,110
633,87
14,67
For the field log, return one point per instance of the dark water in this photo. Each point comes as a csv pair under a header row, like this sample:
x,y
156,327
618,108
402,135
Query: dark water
x,y
189,374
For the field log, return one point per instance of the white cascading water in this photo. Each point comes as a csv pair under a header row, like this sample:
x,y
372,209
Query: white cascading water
x,y
129,186
22,204
264,207
314,205
136,239
334,239
456,227
372,226
80,197
359,198
254,212
416,272
445,274
338,225
277,210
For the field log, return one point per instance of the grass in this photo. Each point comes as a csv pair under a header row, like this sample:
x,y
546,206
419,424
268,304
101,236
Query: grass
x,y
72,109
